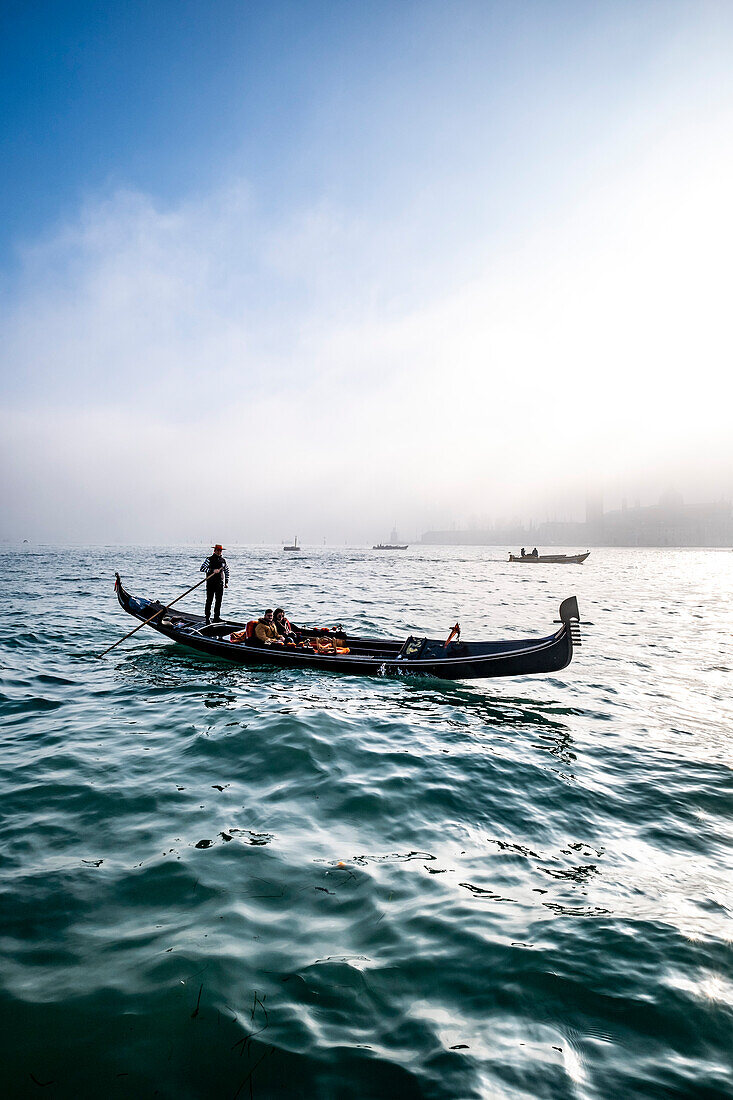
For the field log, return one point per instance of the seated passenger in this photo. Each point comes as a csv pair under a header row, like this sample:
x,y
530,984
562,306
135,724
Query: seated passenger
x,y
285,628
265,631
534,553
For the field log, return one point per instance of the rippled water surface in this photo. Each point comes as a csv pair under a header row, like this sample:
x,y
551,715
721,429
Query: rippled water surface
x,y
233,882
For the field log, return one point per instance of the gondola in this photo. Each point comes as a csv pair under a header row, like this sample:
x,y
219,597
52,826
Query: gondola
x,y
450,660
551,559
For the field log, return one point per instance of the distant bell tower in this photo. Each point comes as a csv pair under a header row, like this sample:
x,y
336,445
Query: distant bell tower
x,y
594,509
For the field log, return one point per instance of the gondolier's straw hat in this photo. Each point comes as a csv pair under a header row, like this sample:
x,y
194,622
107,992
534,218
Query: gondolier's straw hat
x,y
218,546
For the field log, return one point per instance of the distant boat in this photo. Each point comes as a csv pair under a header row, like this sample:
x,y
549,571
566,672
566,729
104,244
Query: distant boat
x,y
551,559
294,546
393,544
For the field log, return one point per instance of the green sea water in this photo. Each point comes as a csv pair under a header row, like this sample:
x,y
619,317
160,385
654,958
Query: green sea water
x,y
233,882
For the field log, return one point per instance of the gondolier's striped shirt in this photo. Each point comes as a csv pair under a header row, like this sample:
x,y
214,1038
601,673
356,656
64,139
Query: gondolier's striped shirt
x,y
206,567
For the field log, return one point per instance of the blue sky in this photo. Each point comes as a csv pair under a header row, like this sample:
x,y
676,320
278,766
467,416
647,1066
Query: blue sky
x,y
385,222
362,103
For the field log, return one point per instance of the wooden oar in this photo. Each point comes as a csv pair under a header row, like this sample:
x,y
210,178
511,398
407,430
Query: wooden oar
x,y
166,608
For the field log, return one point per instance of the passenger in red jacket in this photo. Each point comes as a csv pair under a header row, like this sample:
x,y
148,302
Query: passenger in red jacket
x,y
285,628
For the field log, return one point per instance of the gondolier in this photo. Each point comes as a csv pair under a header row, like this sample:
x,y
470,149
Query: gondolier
x,y
217,579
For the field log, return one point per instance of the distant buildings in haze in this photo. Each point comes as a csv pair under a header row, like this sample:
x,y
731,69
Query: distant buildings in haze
x,y
668,523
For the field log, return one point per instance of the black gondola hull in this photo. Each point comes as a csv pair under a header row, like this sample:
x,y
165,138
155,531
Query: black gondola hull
x,y
367,657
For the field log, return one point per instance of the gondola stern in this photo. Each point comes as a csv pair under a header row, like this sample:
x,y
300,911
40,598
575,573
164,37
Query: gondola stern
x,y
139,609
123,595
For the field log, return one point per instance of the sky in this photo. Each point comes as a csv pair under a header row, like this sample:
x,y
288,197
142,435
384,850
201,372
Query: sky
x,y
321,268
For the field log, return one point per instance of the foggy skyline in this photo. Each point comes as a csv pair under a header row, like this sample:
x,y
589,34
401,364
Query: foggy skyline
x,y
321,269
